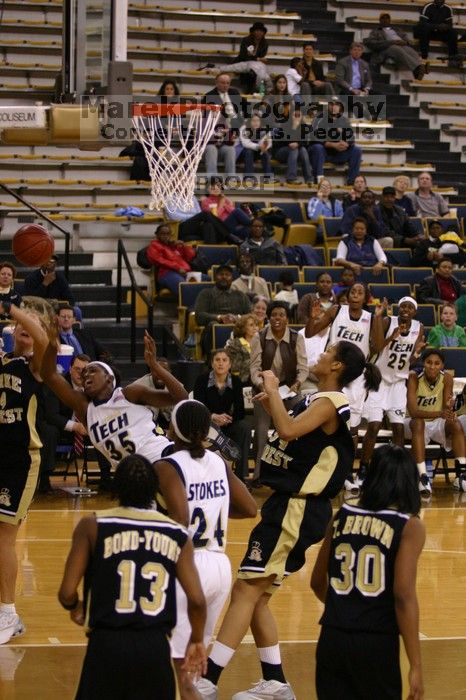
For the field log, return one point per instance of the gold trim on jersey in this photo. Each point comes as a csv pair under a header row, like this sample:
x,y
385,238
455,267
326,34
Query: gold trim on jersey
x,y
31,417
28,491
321,472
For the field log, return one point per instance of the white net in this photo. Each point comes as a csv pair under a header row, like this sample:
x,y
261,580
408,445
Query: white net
x,y
174,145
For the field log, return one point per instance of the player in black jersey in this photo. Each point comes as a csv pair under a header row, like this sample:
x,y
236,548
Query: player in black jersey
x,y
365,574
19,466
305,463
130,558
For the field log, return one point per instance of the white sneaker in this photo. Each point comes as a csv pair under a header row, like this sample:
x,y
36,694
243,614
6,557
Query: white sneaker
x,y
206,688
10,626
266,690
460,482
425,487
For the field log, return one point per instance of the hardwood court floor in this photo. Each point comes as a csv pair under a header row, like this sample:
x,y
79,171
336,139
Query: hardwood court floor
x,y
44,664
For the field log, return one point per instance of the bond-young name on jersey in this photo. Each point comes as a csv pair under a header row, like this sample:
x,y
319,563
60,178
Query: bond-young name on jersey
x,y
150,540
366,525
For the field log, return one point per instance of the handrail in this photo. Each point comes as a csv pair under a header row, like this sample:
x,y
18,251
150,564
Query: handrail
x,y
33,208
135,290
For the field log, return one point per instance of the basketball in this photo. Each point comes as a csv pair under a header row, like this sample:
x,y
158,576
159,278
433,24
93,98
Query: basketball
x,y
32,245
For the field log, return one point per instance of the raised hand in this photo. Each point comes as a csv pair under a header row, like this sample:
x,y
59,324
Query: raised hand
x,y
270,381
381,309
150,349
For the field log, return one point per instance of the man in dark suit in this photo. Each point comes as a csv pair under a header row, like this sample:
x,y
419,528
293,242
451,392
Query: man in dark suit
x,y
352,74
48,283
222,145
81,339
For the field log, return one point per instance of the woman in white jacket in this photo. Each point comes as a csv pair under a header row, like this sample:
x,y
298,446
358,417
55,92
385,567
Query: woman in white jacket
x,y
256,142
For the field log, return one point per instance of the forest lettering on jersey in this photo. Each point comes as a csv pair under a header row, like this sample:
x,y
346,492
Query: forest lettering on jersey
x,y
11,415
131,540
102,431
366,525
206,489
276,456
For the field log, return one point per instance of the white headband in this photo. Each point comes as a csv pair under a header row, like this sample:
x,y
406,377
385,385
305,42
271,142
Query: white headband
x,y
107,368
408,299
178,432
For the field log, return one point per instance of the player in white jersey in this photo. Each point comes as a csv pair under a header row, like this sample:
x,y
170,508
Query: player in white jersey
x,y
353,323
396,339
213,492
119,420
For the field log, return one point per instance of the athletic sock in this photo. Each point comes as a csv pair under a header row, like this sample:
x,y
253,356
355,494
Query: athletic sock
x,y
271,664
219,657
8,608
421,467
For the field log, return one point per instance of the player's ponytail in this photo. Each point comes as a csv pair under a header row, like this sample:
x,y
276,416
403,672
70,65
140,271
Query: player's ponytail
x,y
191,422
354,364
372,377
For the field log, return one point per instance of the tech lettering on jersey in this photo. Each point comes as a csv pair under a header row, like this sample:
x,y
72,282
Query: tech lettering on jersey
x,y
103,431
344,333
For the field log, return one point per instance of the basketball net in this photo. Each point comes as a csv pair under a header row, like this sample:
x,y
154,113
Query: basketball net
x,y
174,145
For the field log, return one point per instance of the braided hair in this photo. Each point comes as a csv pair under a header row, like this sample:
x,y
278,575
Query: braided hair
x,y
135,482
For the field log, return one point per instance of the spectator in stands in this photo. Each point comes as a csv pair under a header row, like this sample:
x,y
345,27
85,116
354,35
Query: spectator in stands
x,y
169,89
7,286
239,347
427,203
247,282
264,249
197,225
401,184
280,99
259,310
354,195
431,250
447,333
287,292
48,283
359,249
333,140
314,73
387,42
440,287
222,145
396,220
289,146
256,142
367,210
170,258
234,219
140,167
324,203
81,339
436,22
430,395
219,304
252,57
324,294
352,74
296,78
282,350
347,279
222,393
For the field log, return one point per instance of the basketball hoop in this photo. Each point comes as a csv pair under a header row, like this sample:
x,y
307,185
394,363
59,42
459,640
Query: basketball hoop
x,y
174,138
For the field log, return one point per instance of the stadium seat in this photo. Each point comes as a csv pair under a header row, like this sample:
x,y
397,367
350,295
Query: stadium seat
x,y
219,254
301,287
392,292
300,233
426,314
271,273
447,224
331,231
220,334
293,211
369,277
418,224
410,275
455,359
187,294
400,257
310,273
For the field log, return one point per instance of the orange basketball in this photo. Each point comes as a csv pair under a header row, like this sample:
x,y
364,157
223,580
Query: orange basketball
x,y
33,245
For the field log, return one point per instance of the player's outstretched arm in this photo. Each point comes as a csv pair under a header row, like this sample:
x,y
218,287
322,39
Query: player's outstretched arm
x,y
319,577
242,504
196,656
58,384
31,324
175,390
406,604
82,546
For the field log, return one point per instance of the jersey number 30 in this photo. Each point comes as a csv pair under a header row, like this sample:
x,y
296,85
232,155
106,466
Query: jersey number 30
x,y
155,601
364,570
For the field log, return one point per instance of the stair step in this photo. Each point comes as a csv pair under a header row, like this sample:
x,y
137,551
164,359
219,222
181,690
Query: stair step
x,y
98,293
104,309
90,276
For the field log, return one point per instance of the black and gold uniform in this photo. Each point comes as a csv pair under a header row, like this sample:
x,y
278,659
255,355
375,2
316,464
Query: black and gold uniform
x,y
360,609
131,606
304,474
19,465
